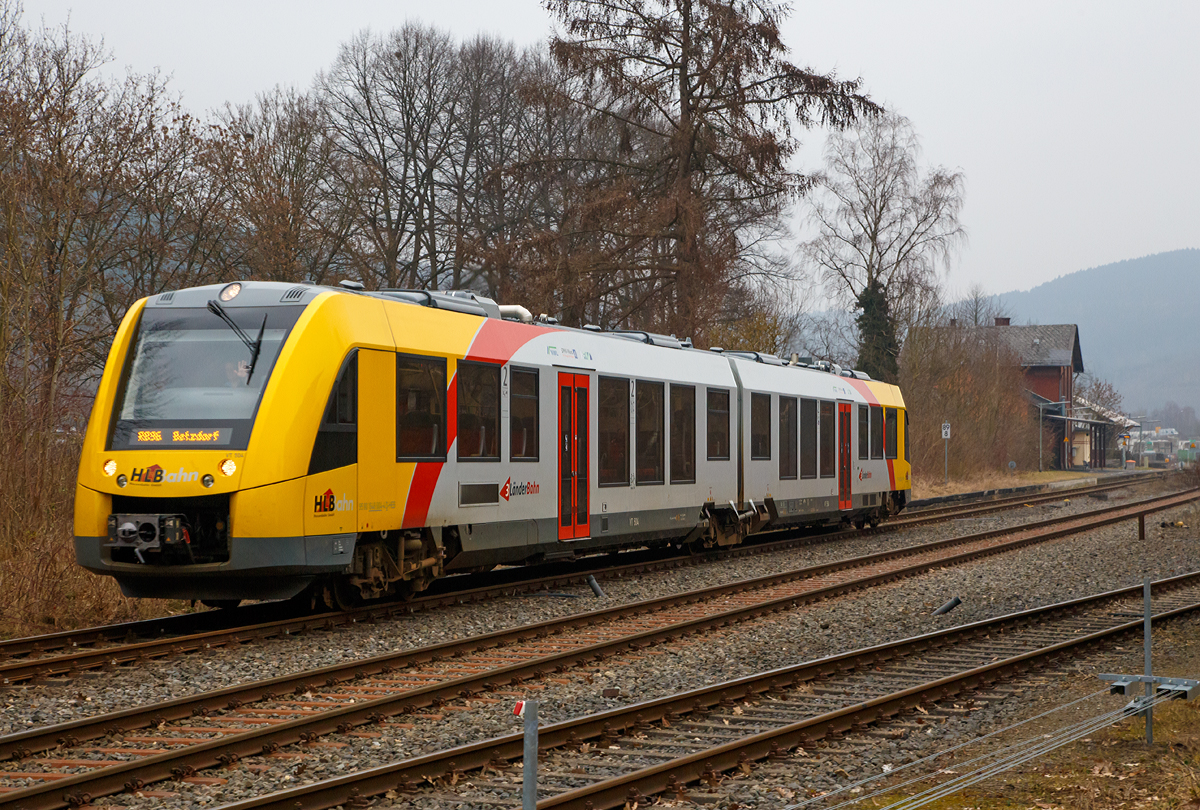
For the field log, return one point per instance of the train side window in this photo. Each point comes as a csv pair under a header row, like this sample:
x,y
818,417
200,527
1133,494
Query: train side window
x,y
420,408
718,424
828,429
478,411
613,434
336,444
760,426
905,434
649,432
876,431
787,437
683,434
523,419
889,442
808,438
864,432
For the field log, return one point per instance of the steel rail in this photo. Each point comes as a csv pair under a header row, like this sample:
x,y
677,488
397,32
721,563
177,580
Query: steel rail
x,y
1032,497
20,670
614,792
208,753
231,622
24,743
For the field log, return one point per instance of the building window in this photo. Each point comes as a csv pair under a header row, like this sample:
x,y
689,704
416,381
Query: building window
x,y
890,444
337,437
523,419
760,426
828,429
808,438
864,432
787,437
683,434
420,408
876,431
718,425
649,432
613,434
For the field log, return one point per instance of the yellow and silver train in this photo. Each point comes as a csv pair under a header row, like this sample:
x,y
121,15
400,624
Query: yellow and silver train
x,y
260,440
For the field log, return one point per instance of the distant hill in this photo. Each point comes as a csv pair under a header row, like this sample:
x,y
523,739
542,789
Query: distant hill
x,y
1139,324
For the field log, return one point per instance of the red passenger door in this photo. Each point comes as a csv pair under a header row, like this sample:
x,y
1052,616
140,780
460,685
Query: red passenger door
x,y
573,515
845,500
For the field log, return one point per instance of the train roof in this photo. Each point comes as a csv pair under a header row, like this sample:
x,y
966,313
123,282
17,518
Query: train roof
x,y
274,293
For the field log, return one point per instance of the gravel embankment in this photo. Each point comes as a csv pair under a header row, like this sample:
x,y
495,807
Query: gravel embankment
x,y
1043,574
99,692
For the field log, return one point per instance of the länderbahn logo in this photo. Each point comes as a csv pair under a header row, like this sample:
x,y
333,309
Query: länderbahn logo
x,y
511,490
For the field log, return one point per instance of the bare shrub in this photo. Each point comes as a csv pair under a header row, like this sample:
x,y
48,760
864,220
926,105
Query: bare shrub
x,y
966,377
41,583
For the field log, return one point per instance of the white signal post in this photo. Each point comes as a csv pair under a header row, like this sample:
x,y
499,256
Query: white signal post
x,y
946,442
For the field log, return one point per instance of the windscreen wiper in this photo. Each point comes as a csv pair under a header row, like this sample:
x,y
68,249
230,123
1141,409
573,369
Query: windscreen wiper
x,y
253,345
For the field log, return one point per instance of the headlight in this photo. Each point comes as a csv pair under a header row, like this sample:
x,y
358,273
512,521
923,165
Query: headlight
x,y
230,291
110,468
227,467
121,481
207,480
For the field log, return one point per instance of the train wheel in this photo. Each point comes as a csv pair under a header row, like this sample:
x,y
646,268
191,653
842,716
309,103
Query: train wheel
x,y
221,604
340,594
860,524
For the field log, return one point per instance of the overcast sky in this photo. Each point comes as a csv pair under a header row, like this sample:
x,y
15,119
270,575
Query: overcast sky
x,y
1077,124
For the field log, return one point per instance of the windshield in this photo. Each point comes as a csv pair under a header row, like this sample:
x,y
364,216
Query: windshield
x,y
190,381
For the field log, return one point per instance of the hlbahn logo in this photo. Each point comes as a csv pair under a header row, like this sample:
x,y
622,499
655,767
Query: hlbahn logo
x,y
327,504
862,475
148,475
511,490
155,474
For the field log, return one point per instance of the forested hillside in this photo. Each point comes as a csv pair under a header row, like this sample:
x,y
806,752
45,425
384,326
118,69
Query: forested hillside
x,y
1139,324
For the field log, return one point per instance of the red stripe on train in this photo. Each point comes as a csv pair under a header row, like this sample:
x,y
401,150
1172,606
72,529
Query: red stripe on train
x,y
496,341
425,478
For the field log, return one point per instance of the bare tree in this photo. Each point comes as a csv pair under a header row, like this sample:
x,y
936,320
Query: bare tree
x,y
884,228
977,308
386,103
276,160
1098,391
973,380
704,88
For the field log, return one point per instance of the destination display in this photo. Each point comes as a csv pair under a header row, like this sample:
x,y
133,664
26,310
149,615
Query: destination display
x,y
205,436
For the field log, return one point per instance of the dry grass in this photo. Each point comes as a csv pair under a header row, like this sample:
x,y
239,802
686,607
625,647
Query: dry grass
x,y
43,589
1112,769
932,487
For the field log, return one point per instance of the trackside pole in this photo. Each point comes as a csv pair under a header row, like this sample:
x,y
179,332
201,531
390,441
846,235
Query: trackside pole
x,y
946,450
1149,675
1157,687
528,710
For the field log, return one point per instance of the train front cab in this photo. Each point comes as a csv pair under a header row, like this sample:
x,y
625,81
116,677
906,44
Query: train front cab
x,y
271,506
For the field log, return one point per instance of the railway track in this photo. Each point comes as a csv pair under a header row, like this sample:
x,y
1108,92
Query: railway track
x,y
180,737
683,745
69,652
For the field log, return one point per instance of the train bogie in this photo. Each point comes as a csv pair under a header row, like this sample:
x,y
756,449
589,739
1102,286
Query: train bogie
x,y
285,437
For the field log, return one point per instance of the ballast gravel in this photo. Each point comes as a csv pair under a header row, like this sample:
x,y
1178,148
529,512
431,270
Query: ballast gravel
x,y
96,692
1042,574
